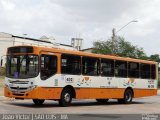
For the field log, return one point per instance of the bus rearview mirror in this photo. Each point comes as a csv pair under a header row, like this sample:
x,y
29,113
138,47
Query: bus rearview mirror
x,y
1,62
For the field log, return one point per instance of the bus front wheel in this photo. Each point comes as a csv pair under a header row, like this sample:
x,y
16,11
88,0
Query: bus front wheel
x,y
128,96
66,98
38,102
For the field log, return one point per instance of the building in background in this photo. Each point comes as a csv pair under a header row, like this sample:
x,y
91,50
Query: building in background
x,y
77,43
8,40
90,50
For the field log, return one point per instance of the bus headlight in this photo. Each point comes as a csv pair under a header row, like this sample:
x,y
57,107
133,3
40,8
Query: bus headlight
x,y
6,85
33,86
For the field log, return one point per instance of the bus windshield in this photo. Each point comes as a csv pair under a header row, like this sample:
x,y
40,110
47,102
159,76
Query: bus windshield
x,y
22,66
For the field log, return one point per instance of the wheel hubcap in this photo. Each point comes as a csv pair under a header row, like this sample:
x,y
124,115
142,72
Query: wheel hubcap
x,y
128,97
67,97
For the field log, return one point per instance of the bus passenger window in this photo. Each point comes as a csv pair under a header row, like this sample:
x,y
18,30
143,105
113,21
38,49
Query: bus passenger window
x,y
133,70
48,66
153,71
70,64
145,71
90,66
121,68
107,67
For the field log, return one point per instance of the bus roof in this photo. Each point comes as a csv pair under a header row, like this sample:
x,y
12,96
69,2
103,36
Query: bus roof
x,y
75,52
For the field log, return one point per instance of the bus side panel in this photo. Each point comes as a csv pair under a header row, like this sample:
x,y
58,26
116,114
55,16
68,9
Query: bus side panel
x,y
144,92
99,93
107,93
82,93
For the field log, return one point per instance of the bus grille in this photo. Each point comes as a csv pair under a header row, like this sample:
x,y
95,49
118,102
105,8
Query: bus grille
x,y
19,82
15,88
24,87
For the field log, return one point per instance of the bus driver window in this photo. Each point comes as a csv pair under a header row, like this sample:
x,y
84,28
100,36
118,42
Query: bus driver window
x,y
48,66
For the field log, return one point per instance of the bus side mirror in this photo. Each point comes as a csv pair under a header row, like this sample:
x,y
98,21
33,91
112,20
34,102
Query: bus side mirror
x,y
1,62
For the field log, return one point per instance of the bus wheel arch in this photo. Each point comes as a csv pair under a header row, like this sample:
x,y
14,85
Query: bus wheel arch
x,y
127,97
72,90
130,88
67,94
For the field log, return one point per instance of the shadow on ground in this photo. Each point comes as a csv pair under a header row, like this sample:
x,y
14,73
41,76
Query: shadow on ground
x,y
50,104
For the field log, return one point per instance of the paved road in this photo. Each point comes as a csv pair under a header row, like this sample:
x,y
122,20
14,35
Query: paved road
x,y
140,105
85,108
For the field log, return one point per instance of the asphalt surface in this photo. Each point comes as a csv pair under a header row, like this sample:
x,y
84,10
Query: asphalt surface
x,y
83,109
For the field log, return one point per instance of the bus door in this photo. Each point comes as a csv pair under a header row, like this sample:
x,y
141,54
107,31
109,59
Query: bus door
x,y
48,64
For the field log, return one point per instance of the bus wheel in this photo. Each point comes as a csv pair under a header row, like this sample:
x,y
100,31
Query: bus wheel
x,y
102,100
128,96
66,98
38,102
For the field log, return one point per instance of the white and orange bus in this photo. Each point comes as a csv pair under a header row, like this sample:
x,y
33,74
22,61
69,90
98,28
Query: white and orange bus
x,y
41,73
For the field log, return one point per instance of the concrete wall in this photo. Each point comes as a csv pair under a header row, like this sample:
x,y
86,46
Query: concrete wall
x,y
6,40
23,41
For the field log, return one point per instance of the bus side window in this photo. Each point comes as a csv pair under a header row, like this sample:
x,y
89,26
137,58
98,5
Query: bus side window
x,y
90,66
120,68
107,67
70,64
145,71
133,70
153,71
48,66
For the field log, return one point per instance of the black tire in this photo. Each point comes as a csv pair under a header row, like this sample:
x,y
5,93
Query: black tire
x,y
102,101
66,98
38,102
127,99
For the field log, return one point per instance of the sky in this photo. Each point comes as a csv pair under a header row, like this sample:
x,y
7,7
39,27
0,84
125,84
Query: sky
x,y
92,20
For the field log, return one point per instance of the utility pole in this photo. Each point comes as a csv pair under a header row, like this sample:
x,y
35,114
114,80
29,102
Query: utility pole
x,y
113,40
114,32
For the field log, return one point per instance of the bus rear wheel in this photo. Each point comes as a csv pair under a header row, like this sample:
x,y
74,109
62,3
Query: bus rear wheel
x,y
38,102
128,96
102,100
66,98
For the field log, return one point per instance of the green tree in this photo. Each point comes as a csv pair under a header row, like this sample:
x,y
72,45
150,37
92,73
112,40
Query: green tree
x,y
155,57
121,48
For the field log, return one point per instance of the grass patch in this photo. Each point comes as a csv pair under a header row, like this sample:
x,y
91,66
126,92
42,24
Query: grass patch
x,y
2,74
1,85
1,81
2,71
158,83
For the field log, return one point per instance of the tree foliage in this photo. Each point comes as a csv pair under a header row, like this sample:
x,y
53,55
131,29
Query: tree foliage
x,y
155,57
121,48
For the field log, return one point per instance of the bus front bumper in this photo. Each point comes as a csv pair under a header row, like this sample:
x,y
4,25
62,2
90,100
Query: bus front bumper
x,y
36,93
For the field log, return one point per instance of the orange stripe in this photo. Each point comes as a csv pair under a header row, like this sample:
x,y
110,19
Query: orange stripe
x,y
93,93
144,92
81,93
